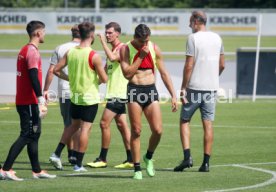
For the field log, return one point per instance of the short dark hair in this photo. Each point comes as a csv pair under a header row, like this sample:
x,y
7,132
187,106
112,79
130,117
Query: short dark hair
x,y
85,29
142,31
199,16
75,31
115,25
34,25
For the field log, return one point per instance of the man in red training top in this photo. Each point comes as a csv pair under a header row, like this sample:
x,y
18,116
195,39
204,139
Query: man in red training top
x,y
30,104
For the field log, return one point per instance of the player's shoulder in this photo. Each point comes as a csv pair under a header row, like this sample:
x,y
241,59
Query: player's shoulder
x,y
68,44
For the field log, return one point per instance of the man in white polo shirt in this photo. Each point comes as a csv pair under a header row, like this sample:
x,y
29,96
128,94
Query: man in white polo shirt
x,y
204,63
64,97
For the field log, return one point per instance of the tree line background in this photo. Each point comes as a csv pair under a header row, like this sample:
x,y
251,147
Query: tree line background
x,y
140,3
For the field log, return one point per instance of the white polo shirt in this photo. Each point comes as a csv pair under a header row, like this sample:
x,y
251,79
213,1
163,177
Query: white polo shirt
x,y
206,48
63,86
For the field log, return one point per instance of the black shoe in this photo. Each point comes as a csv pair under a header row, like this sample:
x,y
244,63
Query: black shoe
x,y
204,168
184,164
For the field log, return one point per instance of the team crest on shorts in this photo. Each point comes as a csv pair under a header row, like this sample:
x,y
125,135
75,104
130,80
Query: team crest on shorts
x,y
35,128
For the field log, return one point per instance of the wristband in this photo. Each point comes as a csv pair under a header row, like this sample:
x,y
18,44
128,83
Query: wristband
x,y
41,100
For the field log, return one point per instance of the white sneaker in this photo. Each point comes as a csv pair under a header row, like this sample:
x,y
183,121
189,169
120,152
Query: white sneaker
x,y
10,175
43,175
79,169
2,174
55,161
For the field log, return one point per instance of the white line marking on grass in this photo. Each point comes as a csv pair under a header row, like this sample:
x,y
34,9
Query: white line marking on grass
x,y
266,183
244,165
99,172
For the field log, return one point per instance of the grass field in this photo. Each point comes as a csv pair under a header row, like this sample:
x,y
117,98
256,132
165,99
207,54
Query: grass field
x,y
166,43
244,154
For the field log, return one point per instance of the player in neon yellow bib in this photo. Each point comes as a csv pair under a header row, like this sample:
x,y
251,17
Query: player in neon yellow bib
x,y
116,98
85,72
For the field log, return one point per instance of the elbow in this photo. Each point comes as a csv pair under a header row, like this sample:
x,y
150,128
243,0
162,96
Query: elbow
x,y
222,67
55,72
112,59
104,79
128,76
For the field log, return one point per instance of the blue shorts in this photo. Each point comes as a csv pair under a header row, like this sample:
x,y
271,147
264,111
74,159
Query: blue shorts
x,y
204,100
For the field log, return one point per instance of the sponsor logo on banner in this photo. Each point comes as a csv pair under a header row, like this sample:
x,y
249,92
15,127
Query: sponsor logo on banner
x,y
157,23
13,21
233,23
65,22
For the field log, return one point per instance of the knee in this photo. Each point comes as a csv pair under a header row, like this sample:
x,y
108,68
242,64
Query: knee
x,y
136,132
119,125
158,132
104,125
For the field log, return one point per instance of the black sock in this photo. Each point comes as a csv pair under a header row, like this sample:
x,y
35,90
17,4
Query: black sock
x,y
79,156
74,153
59,149
137,167
70,152
129,157
206,159
149,154
187,154
103,154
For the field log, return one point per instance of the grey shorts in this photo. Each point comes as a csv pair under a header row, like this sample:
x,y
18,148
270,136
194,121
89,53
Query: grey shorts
x,y
204,100
65,110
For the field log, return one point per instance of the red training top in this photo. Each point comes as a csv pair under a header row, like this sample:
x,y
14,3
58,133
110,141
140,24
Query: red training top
x,y
28,58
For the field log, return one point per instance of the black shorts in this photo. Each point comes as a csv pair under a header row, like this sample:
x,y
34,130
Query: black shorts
x,y
144,95
116,105
30,122
84,112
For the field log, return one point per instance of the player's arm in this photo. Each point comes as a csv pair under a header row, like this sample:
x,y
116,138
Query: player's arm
x,y
221,60
127,69
188,68
221,63
110,55
165,77
33,59
48,81
58,68
33,72
187,72
97,62
50,73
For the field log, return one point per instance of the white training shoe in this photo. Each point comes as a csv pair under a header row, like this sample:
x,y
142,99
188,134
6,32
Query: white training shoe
x,y
10,175
43,175
79,169
55,161
2,174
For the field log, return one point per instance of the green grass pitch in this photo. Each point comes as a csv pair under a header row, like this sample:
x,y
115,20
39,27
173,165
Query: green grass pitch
x,y
244,154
